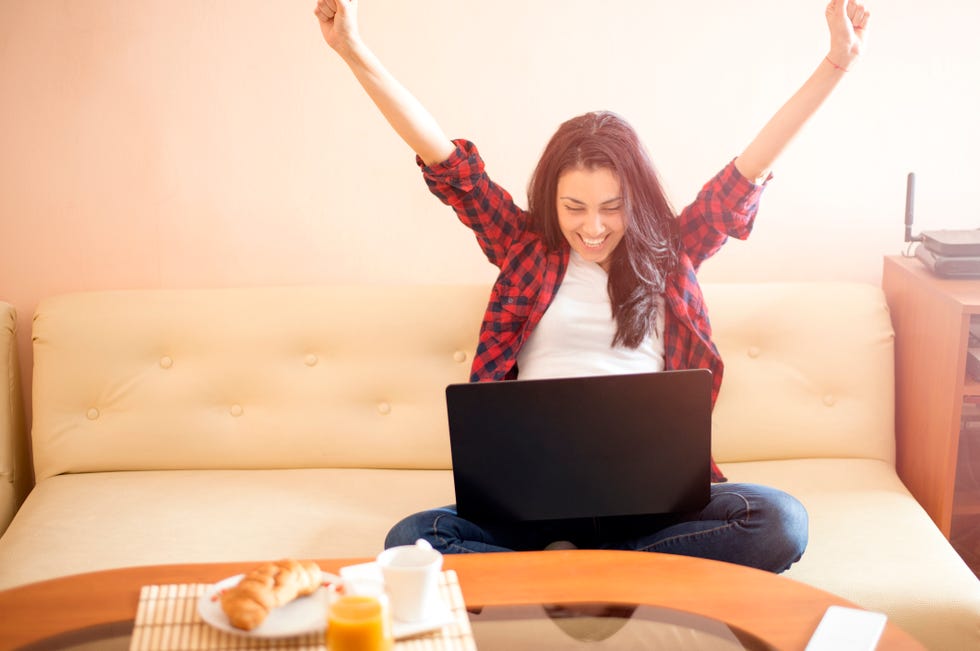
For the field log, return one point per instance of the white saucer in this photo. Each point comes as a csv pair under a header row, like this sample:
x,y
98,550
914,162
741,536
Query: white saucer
x,y
440,616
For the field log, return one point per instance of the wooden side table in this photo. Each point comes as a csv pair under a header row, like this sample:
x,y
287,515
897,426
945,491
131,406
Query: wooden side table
x,y
932,318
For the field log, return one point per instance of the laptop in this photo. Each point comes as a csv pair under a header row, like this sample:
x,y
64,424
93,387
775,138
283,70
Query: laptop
x,y
612,445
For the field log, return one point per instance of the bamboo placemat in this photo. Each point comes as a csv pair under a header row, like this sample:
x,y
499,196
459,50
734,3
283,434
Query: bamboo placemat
x,y
167,620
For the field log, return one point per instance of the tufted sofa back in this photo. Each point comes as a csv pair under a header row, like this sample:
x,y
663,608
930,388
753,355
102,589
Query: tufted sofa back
x,y
354,376
809,371
249,378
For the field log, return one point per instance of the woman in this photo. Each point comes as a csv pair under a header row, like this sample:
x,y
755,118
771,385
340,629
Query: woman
x,y
598,277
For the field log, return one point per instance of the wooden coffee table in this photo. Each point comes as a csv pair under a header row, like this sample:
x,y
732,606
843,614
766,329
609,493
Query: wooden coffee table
x,y
778,610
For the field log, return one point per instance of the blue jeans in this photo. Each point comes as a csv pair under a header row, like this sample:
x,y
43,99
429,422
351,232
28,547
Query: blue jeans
x,y
748,524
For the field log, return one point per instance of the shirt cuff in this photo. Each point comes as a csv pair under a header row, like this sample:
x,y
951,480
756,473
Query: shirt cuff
x,y
739,193
460,170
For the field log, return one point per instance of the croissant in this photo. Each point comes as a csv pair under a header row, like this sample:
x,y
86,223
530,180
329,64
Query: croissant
x,y
266,587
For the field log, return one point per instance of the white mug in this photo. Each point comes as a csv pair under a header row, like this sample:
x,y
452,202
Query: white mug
x,y
411,575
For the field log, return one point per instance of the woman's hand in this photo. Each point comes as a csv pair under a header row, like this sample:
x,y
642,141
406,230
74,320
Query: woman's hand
x,y
848,23
338,23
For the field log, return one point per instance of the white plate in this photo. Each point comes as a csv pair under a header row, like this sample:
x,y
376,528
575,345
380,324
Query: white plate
x,y
299,617
309,614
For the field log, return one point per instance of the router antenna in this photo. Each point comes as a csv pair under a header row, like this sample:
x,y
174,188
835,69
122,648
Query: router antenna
x,y
909,202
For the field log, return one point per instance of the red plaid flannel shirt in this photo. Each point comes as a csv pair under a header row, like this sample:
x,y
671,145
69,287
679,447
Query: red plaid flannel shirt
x,y
530,274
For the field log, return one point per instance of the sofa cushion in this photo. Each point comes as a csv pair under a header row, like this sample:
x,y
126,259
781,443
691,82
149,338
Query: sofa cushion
x,y
252,378
85,522
809,371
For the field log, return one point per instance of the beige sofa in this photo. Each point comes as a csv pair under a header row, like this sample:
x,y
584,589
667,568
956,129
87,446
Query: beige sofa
x,y
244,424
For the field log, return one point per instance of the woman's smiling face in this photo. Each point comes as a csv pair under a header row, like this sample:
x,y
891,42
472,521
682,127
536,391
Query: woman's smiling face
x,y
591,212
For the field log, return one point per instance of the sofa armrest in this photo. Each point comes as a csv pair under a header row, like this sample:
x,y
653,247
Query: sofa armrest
x,y
14,466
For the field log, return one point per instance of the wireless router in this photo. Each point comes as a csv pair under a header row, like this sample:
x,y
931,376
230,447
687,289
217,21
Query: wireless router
x,y
952,243
947,253
949,266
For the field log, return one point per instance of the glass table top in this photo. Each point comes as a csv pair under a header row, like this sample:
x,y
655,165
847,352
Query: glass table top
x,y
593,626
604,626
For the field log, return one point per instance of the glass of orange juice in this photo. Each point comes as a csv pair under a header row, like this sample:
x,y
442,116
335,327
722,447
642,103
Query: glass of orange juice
x,y
358,623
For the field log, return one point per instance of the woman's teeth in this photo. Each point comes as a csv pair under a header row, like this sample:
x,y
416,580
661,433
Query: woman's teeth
x,y
593,243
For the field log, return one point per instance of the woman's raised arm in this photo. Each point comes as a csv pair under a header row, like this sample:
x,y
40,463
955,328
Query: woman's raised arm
x,y
410,120
847,21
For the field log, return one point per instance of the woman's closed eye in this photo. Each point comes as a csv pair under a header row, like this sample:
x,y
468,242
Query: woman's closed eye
x,y
606,210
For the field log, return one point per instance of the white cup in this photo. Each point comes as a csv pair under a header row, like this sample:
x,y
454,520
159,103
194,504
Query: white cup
x,y
411,575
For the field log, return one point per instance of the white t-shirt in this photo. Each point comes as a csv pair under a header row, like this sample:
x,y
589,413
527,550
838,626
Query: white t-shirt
x,y
574,337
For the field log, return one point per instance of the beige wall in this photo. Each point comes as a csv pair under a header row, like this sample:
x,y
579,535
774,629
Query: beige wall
x,y
193,143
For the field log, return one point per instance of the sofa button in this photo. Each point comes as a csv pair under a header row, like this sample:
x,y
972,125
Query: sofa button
x,y
92,413
310,360
166,361
384,408
236,410
829,400
459,356
754,351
